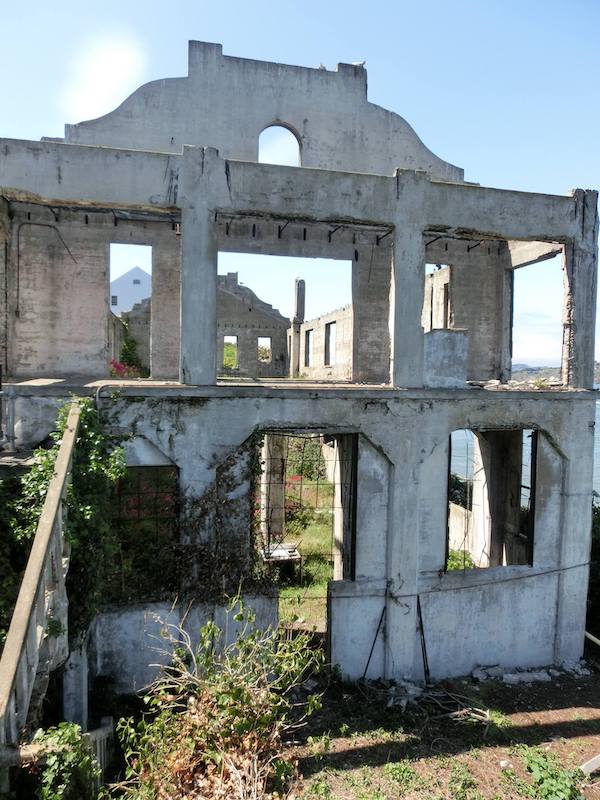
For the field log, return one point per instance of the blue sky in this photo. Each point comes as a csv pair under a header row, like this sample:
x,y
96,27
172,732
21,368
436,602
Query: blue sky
x,y
508,90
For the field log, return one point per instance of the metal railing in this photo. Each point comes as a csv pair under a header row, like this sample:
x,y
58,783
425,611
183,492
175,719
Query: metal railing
x,y
42,592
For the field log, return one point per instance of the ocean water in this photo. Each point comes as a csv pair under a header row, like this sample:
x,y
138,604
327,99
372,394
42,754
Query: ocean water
x,y
462,453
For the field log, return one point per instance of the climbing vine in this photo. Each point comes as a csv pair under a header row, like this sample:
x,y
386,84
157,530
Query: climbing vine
x,y
98,462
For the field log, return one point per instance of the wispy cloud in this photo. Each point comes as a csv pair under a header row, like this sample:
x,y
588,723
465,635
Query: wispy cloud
x,y
104,71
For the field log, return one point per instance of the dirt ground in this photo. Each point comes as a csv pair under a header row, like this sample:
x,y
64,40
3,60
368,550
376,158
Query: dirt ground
x,y
359,748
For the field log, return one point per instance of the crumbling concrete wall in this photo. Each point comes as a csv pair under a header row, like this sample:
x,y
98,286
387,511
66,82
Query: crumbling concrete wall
x,y
327,362
402,524
242,314
190,202
58,316
226,102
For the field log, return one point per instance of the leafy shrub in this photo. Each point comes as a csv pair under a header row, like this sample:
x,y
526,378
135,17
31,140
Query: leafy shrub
x,y
129,353
119,369
230,356
459,559
460,491
217,715
297,516
68,769
305,458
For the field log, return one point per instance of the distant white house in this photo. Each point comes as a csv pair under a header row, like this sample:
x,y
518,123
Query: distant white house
x,y
129,289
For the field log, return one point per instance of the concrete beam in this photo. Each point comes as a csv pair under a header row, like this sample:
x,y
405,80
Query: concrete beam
x,y
500,213
67,172
524,253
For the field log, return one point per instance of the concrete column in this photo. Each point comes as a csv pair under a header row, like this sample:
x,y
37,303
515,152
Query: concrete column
x,y
295,351
247,352
481,521
579,311
75,687
199,253
497,493
300,300
299,311
481,303
406,303
164,316
408,280
4,250
371,271
402,649
339,539
272,488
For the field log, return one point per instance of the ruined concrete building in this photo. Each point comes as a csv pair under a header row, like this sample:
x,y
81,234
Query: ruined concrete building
x,y
426,352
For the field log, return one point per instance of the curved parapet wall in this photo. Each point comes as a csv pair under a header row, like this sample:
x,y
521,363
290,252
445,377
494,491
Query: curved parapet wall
x,y
227,102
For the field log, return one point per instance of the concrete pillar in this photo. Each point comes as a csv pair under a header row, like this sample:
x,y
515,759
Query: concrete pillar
x,y
75,687
579,310
299,312
371,271
272,488
164,316
406,302
300,300
408,280
199,253
497,495
481,303
339,543
402,648
4,250
481,521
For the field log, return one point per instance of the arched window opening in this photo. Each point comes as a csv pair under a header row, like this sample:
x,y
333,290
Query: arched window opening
x,y
278,145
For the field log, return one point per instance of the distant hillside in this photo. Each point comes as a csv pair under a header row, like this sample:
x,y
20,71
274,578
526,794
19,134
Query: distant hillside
x,y
524,372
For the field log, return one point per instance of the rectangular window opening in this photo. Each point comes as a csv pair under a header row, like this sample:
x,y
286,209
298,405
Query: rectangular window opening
x,y
308,347
436,299
491,498
144,516
263,349
330,344
230,352
282,297
536,281
130,270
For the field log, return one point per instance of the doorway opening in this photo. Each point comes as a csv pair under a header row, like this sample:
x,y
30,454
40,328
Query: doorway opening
x,y
306,496
129,298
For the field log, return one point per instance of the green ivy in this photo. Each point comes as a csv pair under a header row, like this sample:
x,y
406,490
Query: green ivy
x,y
69,771
98,462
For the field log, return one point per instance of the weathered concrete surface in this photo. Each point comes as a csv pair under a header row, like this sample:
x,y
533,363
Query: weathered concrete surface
x,y
401,522
130,644
446,353
331,354
242,314
160,170
227,102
